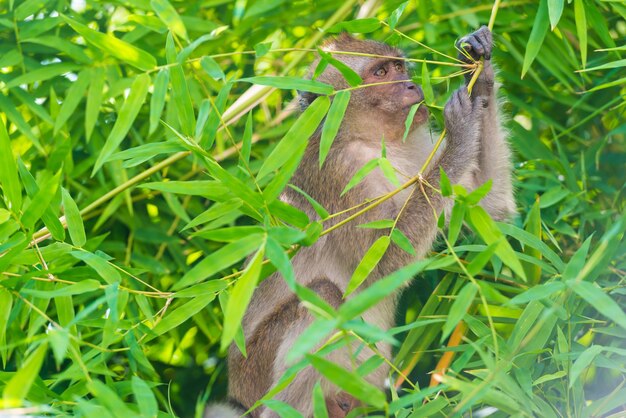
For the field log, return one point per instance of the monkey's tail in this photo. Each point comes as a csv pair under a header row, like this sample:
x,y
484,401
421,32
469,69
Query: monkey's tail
x,y
224,410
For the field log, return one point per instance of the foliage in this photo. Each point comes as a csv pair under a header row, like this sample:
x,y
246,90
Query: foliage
x,y
139,168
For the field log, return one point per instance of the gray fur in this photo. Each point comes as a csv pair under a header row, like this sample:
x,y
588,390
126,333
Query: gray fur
x,y
475,151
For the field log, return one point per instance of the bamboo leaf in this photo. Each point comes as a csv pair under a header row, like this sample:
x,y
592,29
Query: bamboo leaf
x,y
297,135
369,261
360,175
537,35
459,308
94,99
157,101
333,123
167,13
19,384
555,9
8,172
74,220
180,90
349,381
100,265
127,115
240,298
601,302
72,98
116,47
219,260
291,83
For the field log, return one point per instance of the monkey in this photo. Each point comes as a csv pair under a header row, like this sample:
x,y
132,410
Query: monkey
x,y
475,151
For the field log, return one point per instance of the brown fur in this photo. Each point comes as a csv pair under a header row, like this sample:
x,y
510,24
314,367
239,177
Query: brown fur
x,y
475,151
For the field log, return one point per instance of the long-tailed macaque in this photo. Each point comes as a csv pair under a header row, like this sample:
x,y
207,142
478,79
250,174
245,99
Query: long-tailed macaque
x,y
475,151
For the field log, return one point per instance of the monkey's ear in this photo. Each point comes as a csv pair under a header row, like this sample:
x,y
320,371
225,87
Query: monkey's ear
x,y
305,98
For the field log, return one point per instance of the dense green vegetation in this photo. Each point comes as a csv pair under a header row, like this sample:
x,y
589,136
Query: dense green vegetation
x,y
138,170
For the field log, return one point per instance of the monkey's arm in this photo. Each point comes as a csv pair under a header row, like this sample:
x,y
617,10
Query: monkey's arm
x,y
494,157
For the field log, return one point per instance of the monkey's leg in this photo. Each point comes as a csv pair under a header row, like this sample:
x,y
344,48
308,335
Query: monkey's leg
x,y
299,392
494,158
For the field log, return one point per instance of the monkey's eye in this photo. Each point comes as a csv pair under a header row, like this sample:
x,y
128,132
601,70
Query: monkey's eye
x,y
399,66
381,72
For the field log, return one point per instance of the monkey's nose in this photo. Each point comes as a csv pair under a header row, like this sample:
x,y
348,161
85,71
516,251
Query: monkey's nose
x,y
410,86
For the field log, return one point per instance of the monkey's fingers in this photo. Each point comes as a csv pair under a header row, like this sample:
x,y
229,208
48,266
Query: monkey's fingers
x,y
476,45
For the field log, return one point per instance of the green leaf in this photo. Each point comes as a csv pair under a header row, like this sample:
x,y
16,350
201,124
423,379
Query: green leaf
x,y
100,265
8,172
427,88
246,142
279,259
537,35
116,47
168,15
109,398
291,83
6,303
581,30
555,9
444,183
351,76
179,315
50,217
333,123
481,259
368,297
214,212
230,234
79,288
219,260
319,403
298,134
369,261
402,241
582,362
145,398
73,97
388,171
126,116
317,207
180,91
207,188
41,74
94,99
489,232
349,381
528,239
240,297
459,308
310,338
74,220
283,409
538,292
157,101
19,384
601,302
262,48
41,201
356,26
360,175
395,15
212,68
409,120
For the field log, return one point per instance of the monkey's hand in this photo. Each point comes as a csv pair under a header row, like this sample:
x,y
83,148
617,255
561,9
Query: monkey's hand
x,y
462,117
473,47
461,114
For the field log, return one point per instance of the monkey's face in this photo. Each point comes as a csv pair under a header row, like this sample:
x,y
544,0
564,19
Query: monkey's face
x,y
392,92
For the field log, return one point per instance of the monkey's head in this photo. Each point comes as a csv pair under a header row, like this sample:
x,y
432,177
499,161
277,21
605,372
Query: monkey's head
x,y
388,103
